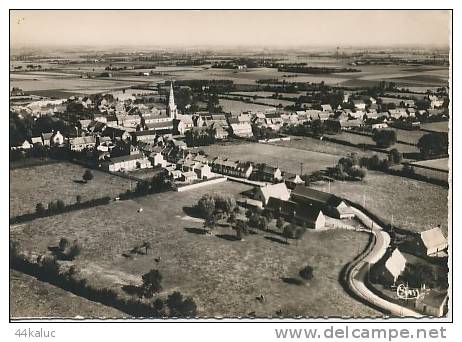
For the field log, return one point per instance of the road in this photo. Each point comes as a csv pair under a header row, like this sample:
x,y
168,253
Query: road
x,y
357,274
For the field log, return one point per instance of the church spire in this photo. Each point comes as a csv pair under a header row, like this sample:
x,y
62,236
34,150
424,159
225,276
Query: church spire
x,y
171,108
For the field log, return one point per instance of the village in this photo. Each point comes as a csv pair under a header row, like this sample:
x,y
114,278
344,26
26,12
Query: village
x,y
162,145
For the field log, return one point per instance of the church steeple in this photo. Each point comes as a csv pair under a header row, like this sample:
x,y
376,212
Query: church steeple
x,y
171,108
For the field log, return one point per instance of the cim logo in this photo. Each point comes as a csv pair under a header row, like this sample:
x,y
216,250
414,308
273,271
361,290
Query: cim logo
x,y
405,292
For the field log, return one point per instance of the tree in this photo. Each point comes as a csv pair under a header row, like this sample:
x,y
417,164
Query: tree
x,y
52,207
279,223
298,233
357,172
433,144
288,231
40,209
151,283
395,156
206,206
87,176
78,199
180,307
146,245
384,137
306,272
60,206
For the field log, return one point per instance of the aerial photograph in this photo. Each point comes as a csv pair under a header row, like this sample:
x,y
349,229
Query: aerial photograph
x,y
248,164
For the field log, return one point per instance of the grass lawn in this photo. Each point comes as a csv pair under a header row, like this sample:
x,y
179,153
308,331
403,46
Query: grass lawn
x,y
45,183
415,205
286,158
33,298
222,275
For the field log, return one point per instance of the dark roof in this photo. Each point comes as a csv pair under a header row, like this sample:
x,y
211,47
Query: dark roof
x,y
311,195
277,204
142,133
126,158
307,212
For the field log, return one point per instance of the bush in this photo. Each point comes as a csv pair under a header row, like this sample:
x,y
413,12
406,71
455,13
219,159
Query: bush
x,y
151,283
306,273
40,209
87,176
180,307
69,250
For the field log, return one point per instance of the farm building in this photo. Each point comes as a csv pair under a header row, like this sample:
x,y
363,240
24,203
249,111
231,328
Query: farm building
x,y
431,242
390,267
432,303
301,213
328,203
292,180
278,190
242,129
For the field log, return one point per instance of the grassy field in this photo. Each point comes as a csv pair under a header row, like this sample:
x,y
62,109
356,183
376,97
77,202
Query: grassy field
x,y
367,140
323,146
35,299
414,205
223,276
286,158
440,164
442,126
231,106
42,184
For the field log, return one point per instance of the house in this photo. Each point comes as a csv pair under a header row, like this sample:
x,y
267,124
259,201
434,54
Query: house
x,y
203,171
143,136
435,101
189,176
161,127
390,267
278,190
175,174
80,143
129,120
244,169
270,174
36,141
323,116
242,129
157,159
26,145
57,139
126,163
349,124
432,303
292,179
183,123
359,104
326,108
46,138
328,203
431,242
119,133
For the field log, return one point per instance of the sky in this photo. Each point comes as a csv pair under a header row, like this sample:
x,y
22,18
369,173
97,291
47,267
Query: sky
x,y
183,28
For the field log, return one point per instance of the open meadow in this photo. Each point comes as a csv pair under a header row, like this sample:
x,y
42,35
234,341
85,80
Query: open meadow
x,y
50,301
224,276
286,158
45,183
415,205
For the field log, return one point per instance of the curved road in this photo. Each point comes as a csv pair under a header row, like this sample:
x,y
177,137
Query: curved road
x,y
360,269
